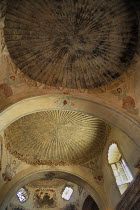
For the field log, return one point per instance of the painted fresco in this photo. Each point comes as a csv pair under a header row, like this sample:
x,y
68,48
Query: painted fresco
x,y
64,102
11,167
128,102
99,178
47,183
95,167
5,91
15,207
80,189
44,198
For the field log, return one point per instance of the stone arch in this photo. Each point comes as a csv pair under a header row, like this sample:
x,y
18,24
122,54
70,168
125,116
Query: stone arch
x,y
55,101
24,177
52,101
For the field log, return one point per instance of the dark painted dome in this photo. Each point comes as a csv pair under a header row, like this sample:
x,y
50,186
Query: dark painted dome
x,y
71,43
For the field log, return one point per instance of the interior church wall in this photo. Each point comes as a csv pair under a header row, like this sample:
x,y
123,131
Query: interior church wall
x,y
76,201
13,170
15,86
11,166
130,152
122,95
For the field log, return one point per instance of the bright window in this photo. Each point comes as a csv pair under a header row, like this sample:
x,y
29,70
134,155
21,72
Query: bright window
x,y
120,169
22,195
67,193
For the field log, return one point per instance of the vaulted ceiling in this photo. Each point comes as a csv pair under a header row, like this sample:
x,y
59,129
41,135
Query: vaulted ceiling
x,y
56,137
71,43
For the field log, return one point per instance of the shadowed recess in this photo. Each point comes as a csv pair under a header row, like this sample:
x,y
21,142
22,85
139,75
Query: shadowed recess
x,y
71,43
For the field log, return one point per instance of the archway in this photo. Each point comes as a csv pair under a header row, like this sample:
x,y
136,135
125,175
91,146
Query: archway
x,y
90,204
40,103
21,179
50,102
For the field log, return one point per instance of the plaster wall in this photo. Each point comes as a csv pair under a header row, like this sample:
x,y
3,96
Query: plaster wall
x,y
15,173
77,198
104,103
15,86
130,153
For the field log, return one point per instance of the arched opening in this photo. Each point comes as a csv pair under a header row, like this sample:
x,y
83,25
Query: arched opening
x,y
90,204
119,168
19,182
41,103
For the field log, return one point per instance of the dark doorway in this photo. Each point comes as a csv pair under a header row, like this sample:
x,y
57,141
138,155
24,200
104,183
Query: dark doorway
x,y
90,204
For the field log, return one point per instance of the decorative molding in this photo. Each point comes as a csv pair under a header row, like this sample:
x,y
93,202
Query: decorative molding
x,y
64,103
43,183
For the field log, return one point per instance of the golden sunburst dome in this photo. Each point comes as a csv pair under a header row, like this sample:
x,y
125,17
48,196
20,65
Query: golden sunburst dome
x,y
74,44
56,137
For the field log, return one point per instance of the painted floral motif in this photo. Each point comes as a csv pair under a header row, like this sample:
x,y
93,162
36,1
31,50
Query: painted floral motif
x,y
128,103
80,189
5,91
64,103
11,80
47,183
96,170
44,198
10,170
93,164
98,178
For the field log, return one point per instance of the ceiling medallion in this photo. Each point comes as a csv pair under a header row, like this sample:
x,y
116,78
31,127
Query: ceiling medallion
x,y
73,44
52,137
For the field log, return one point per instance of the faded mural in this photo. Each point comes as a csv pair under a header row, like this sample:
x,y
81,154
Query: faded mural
x,y
5,91
44,198
95,168
50,198
128,102
10,169
13,81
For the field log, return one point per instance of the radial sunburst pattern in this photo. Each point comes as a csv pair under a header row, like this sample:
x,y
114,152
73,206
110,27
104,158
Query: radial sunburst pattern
x,y
71,43
56,137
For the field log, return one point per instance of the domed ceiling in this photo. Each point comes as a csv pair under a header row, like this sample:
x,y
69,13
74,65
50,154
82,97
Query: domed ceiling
x,y
56,137
74,44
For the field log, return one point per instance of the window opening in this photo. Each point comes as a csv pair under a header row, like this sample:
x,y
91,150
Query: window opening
x,y
67,193
22,195
119,167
